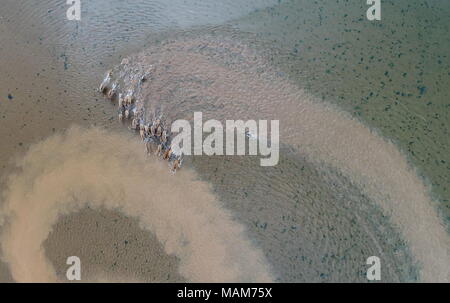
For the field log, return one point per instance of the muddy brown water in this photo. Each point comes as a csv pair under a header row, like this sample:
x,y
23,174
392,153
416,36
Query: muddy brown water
x,y
312,221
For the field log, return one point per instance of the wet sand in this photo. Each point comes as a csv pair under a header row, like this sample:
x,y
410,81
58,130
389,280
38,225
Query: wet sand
x,y
116,248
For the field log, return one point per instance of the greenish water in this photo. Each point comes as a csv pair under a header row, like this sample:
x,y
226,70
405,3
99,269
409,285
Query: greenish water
x,y
393,74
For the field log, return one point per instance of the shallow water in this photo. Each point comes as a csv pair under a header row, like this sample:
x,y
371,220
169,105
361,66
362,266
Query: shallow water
x,y
393,75
312,216
59,89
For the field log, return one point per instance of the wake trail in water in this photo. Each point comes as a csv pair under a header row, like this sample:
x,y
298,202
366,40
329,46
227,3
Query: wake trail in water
x,y
91,167
230,79
226,80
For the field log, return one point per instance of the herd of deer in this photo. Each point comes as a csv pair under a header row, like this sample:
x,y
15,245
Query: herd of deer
x,y
153,134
